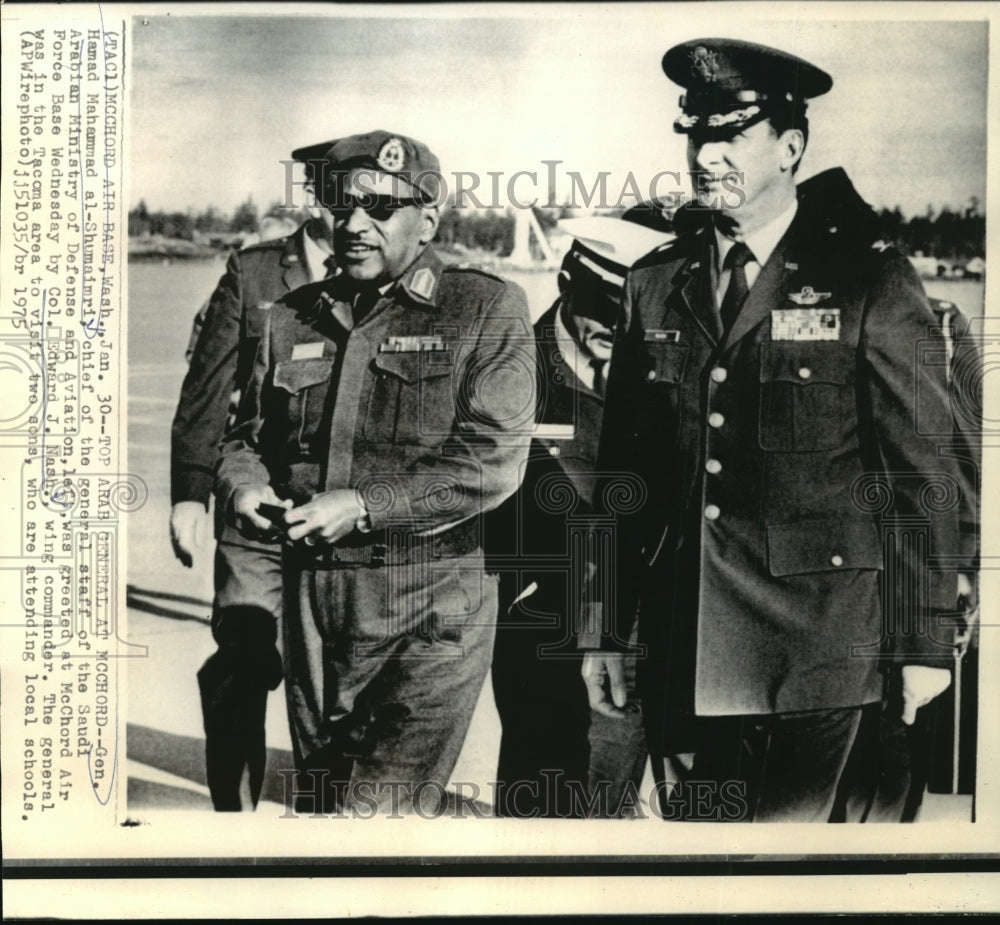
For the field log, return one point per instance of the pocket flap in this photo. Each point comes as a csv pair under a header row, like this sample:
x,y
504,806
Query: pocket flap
x,y
668,358
806,362
296,375
823,544
411,366
255,320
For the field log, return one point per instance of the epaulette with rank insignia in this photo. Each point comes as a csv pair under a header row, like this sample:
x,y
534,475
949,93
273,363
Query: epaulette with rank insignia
x,y
270,244
463,268
681,248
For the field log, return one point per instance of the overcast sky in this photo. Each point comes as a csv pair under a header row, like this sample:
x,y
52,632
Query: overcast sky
x,y
218,101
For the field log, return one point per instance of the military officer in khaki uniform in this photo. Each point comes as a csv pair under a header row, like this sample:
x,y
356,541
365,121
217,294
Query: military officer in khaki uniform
x,y
389,409
764,388
235,680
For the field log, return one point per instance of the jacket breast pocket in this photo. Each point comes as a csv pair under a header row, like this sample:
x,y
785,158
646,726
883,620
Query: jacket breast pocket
x,y
412,399
806,395
823,544
304,385
668,360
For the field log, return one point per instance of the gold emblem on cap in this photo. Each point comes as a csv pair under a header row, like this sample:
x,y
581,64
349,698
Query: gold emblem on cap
x,y
704,64
391,156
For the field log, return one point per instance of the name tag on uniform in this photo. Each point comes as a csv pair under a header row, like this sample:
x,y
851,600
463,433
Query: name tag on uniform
x,y
412,344
554,431
663,337
805,324
307,351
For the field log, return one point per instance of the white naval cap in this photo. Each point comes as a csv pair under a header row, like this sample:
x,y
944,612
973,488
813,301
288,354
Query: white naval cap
x,y
607,246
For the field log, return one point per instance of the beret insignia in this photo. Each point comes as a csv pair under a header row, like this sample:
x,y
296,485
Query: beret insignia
x,y
391,156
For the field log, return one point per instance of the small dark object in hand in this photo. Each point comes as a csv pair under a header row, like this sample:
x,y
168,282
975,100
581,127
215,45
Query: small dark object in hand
x,y
272,512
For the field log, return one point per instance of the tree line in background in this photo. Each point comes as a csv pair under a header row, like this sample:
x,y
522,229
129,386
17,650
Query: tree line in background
x,y
187,226
954,236
948,235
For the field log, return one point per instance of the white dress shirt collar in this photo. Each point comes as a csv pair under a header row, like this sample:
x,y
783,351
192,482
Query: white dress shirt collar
x,y
575,357
315,257
761,242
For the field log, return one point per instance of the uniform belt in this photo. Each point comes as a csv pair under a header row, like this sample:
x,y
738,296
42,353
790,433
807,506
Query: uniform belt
x,y
395,547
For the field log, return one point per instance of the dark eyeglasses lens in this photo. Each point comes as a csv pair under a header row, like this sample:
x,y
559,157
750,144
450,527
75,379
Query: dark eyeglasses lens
x,y
383,207
377,207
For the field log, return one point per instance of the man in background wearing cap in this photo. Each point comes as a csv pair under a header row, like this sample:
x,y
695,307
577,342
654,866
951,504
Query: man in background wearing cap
x,y
545,749
235,680
763,386
386,415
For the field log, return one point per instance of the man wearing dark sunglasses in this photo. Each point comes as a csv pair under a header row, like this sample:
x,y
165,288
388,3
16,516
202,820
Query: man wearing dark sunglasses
x,y
389,410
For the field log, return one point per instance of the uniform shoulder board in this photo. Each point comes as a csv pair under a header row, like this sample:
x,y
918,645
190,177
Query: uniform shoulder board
x,y
676,249
881,252
269,244
469,268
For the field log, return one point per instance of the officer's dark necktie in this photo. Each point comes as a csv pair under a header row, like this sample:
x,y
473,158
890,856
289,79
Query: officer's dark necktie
x,y
364,302
331,266
597,366
736,292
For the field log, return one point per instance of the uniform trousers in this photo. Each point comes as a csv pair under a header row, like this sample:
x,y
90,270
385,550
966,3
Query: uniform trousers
x,y
890,764
383,668
783,767
544,716
618,753
235,679
557,758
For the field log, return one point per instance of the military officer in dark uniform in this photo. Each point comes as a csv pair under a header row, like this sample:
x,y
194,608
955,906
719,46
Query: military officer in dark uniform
x,y
390,408
763,387
235,680
550,743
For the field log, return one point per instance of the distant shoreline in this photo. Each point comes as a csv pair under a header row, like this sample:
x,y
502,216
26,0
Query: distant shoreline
x,y
158,249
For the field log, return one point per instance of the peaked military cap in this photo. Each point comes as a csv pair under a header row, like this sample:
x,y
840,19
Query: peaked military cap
x,y
313,156
733,84
391,153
